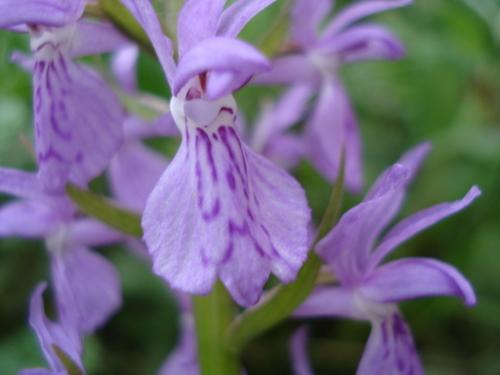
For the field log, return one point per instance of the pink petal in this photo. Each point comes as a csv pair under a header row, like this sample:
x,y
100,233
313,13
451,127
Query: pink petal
x,y
418,222
346,249
358,10
236,16
411,278
197,21
390,349
220,54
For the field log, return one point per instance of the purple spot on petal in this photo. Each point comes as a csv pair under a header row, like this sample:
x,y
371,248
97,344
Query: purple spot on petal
x,y
228,253
214,212
230,180
226,109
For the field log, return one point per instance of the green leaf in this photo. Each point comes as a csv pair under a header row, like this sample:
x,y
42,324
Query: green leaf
x,y
272,42
124,21
67,362
283,299
105,211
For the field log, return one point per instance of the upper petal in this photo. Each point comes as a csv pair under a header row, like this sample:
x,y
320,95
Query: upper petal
x,y
331,127
197,21
40,12
236,16
418,222
146,16
346,249
306,19
411,278
363,43
356,11
390,349
220,54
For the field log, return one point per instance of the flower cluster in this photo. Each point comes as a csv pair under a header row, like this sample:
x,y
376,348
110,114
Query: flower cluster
x,y
221,209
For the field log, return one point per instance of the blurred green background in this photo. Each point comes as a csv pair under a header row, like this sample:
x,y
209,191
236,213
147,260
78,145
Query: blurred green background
x,y
446,90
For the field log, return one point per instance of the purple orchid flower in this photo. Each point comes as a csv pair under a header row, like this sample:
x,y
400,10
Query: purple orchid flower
x,y
220,210
312,62
87,285
370,291
78,119
53,338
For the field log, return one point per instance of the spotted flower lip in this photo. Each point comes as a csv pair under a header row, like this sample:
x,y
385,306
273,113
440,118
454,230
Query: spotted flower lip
x,y
242,217
369,290
77,118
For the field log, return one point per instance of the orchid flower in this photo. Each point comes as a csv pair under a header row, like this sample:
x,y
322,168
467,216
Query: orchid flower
x,y
87,285
220,210
78,119
311,62
55,341
369,290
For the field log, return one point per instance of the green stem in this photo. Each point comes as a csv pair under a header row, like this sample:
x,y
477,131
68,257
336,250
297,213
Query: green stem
x,y
213,314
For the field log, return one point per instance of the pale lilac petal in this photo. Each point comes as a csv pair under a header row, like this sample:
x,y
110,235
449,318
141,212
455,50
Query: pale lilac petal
x,y
184,359
92,38
90,232
277,117
134,172
39,12
346,249
164,126
306,18
26,62
418,222
124,65
235,17
363,43
19,183
78,121
50,333
41,371
285,150
331,301
331,127
412,159
197,21
390,349
298,352
87,287
27,219
220,54
360,10
241,216
290,69
411,278
222,83
146,16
